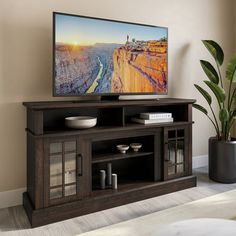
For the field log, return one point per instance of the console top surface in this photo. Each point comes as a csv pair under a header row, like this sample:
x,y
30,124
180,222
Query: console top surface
x,y
44,105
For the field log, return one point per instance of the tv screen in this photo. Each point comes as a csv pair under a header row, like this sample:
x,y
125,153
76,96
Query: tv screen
x,y
104,57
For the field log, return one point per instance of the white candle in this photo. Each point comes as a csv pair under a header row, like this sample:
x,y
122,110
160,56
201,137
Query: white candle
x,y
114,181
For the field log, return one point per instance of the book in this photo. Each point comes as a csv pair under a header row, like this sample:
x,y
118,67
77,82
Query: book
x,y
152,121
155,115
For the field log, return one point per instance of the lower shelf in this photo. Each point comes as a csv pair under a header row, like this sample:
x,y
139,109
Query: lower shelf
x,y
123,187
98,202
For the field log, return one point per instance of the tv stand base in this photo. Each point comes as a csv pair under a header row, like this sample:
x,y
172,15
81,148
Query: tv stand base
x,y
39,217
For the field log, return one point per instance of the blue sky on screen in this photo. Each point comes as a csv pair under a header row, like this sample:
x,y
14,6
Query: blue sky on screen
x,y
88,31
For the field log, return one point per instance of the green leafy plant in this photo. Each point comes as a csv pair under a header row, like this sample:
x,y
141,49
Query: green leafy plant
x,y
227,109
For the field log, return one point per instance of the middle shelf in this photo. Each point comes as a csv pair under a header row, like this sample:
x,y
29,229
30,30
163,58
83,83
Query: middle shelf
x,y
98,158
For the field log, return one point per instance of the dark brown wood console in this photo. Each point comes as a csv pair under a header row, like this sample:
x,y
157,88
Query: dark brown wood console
x,y
63,164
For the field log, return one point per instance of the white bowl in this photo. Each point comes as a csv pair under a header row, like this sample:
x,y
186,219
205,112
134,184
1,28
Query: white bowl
x,y
135,146
80,122
122,148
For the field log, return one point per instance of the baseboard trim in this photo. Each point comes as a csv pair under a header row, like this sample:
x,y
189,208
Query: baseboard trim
x,y
200,161
11,198
14,197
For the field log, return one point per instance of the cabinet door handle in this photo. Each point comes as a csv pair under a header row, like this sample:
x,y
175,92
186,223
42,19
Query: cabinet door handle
x,y
79,165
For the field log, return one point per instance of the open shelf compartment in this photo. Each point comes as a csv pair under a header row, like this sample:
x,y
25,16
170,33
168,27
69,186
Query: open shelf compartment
x,y
54,120
129,171
131,167
180,114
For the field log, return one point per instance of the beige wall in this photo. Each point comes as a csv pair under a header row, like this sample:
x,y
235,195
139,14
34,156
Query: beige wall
x,y
234,14
25,59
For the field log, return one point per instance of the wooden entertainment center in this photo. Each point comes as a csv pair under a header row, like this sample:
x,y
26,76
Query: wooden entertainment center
x,y
63,164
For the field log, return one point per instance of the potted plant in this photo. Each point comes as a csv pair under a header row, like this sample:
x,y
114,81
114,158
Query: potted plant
x,y
222,148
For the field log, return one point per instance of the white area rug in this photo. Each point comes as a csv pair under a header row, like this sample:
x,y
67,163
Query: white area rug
x,y
198,227
222,206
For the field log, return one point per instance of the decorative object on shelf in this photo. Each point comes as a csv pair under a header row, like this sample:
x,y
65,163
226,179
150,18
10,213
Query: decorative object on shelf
x,y
135,146
109,173
222,148
80,122
122,148
114,181
102,179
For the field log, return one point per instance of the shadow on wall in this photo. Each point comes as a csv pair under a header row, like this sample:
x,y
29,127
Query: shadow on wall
x,y
27,61
178,70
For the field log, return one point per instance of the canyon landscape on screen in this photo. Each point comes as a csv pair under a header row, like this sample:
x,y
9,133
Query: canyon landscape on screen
x,y
100,56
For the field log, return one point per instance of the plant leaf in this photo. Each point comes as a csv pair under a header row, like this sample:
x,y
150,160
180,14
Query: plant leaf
x,y
217,90
234,113
200,108
215,50
204,93
224,115
234,97
231,70
210,71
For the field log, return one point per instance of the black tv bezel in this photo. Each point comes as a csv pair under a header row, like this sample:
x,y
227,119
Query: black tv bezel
x,y
102,94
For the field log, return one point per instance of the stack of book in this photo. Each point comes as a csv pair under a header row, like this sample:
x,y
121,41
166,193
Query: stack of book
x,y
153,118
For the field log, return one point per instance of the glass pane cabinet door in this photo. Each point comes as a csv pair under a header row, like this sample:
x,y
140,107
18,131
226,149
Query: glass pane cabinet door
x,y
55,163
175,154
180,156
70,168
171,157
62,169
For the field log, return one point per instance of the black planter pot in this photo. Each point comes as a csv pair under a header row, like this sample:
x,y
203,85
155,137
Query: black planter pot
x,y
222,161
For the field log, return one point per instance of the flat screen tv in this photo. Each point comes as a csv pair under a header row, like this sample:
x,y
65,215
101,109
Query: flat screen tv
x,y
93,56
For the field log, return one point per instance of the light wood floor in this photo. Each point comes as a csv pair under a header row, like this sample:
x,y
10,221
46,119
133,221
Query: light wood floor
x,y
13,220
